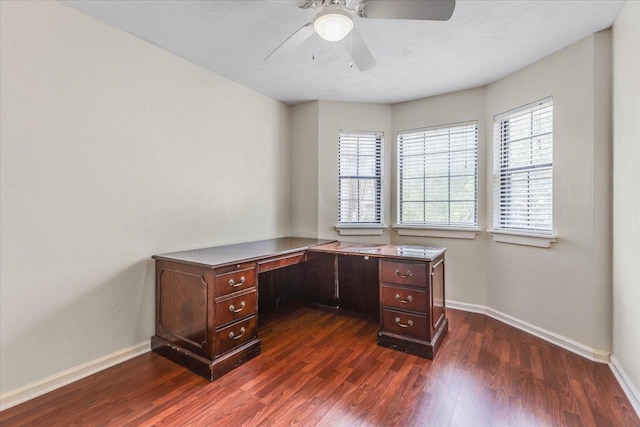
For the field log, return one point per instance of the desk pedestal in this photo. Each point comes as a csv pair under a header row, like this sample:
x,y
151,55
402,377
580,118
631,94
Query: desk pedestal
x,y
412,312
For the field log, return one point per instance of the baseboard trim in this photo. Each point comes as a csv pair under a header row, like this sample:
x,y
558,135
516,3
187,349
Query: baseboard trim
x,y
50,383
40,387
625,382
564,342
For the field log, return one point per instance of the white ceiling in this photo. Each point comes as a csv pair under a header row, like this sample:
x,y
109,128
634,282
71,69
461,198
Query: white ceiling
x,y
482,42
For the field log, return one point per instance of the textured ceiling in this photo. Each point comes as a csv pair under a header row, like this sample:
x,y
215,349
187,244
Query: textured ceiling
x,y
482,42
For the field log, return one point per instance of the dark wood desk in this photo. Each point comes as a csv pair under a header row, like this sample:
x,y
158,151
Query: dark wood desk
x,y
207,299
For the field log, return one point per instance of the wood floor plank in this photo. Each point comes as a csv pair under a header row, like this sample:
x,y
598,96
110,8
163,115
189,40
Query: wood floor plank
x,y
322,367
438,398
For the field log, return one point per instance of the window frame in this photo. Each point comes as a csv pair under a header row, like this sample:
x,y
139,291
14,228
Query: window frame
x,y
432,229
501,230
363,227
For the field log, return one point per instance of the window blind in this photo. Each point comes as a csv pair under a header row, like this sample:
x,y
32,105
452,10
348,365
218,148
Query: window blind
x,y
360,177
438,176
523,169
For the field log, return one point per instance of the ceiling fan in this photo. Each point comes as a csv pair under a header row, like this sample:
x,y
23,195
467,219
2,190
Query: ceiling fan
x,y
334,23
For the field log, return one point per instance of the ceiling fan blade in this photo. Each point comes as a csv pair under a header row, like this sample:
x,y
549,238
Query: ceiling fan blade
x,y
429,10
295,40
359,51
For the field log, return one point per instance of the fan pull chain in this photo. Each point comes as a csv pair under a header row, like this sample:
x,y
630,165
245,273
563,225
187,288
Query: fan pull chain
x,y
313,54
351,50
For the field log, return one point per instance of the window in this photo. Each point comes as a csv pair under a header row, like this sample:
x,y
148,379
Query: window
x,y
360,178
438,176
523,169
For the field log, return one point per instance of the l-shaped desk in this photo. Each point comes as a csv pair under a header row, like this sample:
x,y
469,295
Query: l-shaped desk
x,y
207,299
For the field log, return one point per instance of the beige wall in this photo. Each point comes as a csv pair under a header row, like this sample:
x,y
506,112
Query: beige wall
x,y
314,163
304,169
333,117
113,150
626,191
564,289
466,266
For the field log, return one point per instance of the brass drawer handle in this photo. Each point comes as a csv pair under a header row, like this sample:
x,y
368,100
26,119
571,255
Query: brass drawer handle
x,y
404,276
403,325
233,309
237,337
234,284
404,301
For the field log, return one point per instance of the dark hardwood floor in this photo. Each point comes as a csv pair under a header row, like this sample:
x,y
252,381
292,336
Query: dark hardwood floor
x,y
322,367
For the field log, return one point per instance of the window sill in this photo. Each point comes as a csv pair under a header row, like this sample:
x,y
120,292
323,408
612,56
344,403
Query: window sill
x,y
449,233
526,239
360,230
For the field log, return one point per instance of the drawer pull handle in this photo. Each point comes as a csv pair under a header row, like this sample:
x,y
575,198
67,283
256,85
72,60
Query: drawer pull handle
x,y
404,301
234,284
404,276
403,325
233,309
237,337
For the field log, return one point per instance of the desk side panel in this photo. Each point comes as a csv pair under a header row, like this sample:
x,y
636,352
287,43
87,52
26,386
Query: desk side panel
x,y
182,294
437,293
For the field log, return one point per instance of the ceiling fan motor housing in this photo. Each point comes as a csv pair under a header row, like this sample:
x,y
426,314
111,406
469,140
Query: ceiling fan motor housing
x,y
333,24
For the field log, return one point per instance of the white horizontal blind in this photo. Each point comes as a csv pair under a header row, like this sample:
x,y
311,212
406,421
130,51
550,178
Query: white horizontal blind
x,y
523,169
360,178
438,176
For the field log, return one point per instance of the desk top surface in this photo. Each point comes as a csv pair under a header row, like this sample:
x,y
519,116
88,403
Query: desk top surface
x,y
409,252
219,256
223,255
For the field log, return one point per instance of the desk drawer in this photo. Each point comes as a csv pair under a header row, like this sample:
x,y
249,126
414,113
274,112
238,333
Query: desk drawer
x,y
231,309
282,261
235,280
405,299
412,325
234,335
404,273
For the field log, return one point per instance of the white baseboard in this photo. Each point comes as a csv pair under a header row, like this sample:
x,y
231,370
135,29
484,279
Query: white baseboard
x,y
564,342
50,383
625,382
38,388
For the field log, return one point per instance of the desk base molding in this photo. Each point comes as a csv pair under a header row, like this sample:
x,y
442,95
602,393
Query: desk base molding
x,y
206,368
415,346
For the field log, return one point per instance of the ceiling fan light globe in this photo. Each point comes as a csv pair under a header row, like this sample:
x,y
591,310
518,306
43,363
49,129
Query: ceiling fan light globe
x,y
333,25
